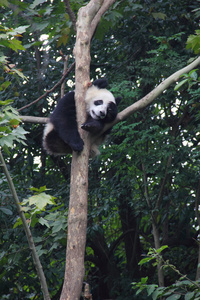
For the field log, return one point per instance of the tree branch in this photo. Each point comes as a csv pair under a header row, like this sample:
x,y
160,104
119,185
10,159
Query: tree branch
x,y
52,89
34,120
65,62
29,236
134,107
104,7
152,95
70,13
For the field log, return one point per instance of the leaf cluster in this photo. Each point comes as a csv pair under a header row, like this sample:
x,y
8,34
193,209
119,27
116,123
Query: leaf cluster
x,y
183,287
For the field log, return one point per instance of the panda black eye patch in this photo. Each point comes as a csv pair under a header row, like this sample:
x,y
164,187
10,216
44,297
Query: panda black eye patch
x,y
98,102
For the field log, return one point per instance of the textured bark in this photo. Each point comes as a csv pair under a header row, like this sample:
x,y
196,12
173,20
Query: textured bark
x,y
77,218
156,236
198,220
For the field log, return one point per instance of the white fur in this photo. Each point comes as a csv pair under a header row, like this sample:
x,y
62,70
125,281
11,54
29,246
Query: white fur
x,y
95,111
48,128
93,94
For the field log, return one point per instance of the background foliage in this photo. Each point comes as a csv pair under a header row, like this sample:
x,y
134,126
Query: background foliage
x,y
148,169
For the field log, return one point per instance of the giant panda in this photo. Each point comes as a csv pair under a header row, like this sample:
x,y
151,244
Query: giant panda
x,y
61,135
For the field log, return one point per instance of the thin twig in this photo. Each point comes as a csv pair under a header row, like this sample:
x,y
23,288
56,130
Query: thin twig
x,y
52,89
70,13
65,62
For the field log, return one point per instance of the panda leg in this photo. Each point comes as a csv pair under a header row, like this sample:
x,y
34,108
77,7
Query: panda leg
x,y
75,142
71,137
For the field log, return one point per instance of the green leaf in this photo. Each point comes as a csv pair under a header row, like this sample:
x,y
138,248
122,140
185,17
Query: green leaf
x,y
6,102
3,3
193,42
193,74
159,292
41,251
40,26
6,211
42,221
6,141
145,260
16,45
36,3
19,73
151,288
161,248
144,279
4,85
41,200
59,224
19,131
17,223
173,297
189,296
40,190
3,58
159,16
180,84
19,30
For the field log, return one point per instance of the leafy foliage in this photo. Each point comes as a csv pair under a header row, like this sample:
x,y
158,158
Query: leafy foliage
x,y
148,169
193,42
183,287
10,132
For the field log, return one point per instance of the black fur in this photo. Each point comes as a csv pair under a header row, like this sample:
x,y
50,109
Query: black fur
x,y
65,136
101,83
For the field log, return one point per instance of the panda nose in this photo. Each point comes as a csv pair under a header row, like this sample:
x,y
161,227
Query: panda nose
x,y
102,114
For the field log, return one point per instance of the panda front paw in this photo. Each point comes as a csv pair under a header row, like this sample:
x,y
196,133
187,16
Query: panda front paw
x,y
86,126
92,127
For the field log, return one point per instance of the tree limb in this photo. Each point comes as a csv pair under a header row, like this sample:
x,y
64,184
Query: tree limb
x,y
104,7
152,95
34,120
70,13
29,236
52,89
145,101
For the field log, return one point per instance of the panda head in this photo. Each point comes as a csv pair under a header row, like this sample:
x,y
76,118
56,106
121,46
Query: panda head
x,y
101,104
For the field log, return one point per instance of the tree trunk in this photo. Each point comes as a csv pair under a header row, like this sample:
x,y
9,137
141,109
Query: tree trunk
x,y
77,218
156,236
198,220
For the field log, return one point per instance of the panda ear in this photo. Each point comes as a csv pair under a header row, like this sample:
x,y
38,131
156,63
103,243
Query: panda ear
x,y
101,83
118,99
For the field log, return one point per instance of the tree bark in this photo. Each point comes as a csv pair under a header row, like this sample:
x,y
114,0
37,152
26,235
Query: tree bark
x,y
156,236
198,220
77,218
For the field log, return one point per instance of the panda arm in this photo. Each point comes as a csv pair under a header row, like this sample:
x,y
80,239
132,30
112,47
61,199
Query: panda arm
x,y
92,125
